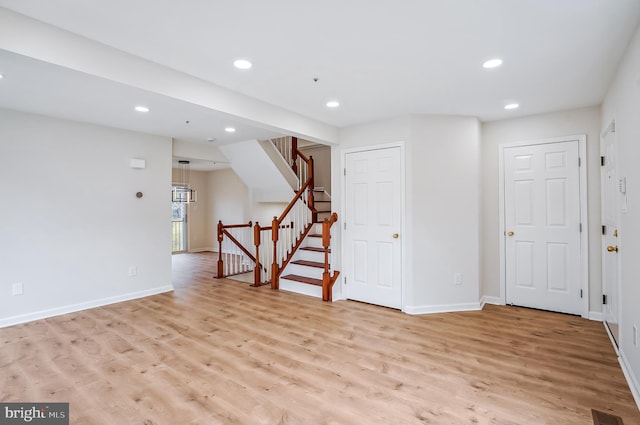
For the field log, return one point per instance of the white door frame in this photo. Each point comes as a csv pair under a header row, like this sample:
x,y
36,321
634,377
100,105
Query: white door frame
x,y
611,128
584,235
403,212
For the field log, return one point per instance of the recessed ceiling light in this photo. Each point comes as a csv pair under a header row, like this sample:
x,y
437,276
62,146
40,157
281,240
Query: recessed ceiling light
x,y
141,108
242,64
493,63
333,104
230,130
1,76
511,106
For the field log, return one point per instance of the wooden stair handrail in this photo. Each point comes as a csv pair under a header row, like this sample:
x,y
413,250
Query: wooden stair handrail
x,y
292,203
239,245
221,232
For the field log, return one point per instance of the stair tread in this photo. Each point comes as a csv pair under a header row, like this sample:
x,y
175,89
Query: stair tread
x,y
314,235
309,263
313,248
303,279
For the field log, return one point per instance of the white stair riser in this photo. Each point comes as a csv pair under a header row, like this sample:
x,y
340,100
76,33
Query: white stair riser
x,y
301,270
314,242
323,215
310,256
300,288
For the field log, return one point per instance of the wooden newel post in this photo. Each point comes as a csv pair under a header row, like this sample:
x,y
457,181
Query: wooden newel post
x,y
220,262
275,283
257,272
326,277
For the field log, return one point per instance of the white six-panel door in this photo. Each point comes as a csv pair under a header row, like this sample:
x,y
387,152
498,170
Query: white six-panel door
x,y
542,226
373,255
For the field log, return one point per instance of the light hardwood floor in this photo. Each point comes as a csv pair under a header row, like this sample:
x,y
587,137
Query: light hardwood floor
x,y
220,352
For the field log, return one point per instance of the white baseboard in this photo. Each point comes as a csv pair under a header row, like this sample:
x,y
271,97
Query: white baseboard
x,y
43,314
442,308
634,386
596,315
491,300
205,249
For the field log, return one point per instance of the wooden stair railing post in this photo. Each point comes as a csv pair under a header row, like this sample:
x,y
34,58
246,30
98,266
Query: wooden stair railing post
x,y
275,272
327,279
310,201
294,154
220,239
257,273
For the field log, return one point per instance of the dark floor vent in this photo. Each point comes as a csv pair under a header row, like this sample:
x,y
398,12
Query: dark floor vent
x,y
601,418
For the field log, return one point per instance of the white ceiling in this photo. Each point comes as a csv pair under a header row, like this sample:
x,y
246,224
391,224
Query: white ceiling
x,y
379,58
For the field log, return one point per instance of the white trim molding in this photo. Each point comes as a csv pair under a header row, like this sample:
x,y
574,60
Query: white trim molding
x,y
634,385
491,300
205,249
442,308
44,314
597,316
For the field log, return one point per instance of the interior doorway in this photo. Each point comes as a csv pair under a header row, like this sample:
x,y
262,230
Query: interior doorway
x,y
544,241
178,227
612,189
373,226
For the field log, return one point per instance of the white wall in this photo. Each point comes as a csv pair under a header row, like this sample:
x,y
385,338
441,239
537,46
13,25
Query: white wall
x,y
321,165
445,158
442,204
221,196
622,103
543,126
228,198
71,225
259,172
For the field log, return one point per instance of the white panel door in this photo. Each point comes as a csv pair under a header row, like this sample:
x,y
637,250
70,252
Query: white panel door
x,y
542,226
610,205
373,255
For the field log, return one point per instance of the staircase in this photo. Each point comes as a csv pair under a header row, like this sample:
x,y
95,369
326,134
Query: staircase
x,y
303,274
294,252
321,203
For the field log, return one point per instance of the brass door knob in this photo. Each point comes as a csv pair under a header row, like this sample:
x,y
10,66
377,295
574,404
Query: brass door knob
x,y
612,248
395,236
510,233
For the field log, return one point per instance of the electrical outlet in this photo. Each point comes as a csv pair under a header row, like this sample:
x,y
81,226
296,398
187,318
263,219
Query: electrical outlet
x,y
133,271
18,289
458,278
